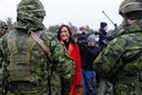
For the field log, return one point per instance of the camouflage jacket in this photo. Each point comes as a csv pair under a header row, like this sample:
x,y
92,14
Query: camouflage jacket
x,y
121,63
62,68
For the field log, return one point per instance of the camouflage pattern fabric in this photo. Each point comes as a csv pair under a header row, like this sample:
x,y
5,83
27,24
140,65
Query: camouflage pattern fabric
x,y
30,14
121,62
130,5
46,75
0,80
63,67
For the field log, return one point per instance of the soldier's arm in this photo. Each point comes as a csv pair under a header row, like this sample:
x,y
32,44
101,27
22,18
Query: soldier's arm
x,y
1,62
108,60
1,54
61,57
64,63
0,68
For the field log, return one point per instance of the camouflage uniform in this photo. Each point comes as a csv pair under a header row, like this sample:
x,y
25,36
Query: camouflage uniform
x,y
0,77
121,61
119,30
46,75
3,30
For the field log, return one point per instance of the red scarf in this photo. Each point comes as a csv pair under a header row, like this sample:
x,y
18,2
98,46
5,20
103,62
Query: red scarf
x,y
74,53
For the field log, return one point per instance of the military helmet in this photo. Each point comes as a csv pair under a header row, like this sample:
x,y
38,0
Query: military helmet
x,y
30,11
129,6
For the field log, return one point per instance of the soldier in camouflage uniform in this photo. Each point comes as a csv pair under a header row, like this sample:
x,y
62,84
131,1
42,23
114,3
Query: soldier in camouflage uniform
x,y
119,30
3,30
121,61
27,68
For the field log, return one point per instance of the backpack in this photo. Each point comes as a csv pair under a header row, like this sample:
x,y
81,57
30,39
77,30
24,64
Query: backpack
x,y
20,66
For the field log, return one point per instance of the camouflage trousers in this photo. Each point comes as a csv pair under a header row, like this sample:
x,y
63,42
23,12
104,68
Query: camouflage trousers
x,y
129,86
104,87
0,89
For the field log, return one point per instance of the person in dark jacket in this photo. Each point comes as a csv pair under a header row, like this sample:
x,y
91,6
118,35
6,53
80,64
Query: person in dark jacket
x,y
89,74
103,34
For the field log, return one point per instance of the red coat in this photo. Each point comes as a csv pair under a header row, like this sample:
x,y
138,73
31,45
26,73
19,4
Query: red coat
x,y
74,53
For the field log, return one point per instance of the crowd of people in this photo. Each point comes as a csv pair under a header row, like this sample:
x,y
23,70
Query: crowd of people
x,y
65,60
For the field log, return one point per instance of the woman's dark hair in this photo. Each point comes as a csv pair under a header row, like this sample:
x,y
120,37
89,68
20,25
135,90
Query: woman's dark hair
x,y
59,31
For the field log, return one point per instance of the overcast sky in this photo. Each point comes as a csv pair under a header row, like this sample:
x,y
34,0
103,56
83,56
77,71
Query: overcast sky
x,y
78,12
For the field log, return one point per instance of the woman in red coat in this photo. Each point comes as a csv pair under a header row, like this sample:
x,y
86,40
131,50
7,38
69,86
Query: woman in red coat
x,y
64,36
